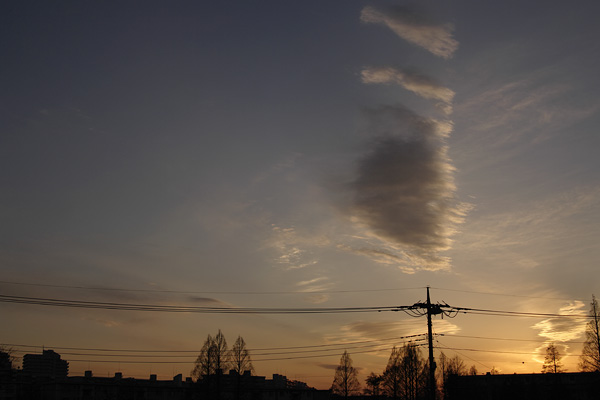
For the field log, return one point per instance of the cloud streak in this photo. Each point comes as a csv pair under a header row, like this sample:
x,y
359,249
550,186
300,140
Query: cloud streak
x,y
415,28
419,84
404,188
563,329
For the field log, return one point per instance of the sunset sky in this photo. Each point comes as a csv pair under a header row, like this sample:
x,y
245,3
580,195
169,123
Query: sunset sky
x,y
304,154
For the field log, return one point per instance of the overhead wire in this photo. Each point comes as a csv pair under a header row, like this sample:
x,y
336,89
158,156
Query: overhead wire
x,y
505,313
415,310
186,309
332,347
313,351
497,338
501,351
99,288
501,294
104,288
330,353
197,350
463,355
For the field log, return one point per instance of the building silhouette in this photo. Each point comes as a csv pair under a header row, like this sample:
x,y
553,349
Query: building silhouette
x,y
48,365
45,377
560,386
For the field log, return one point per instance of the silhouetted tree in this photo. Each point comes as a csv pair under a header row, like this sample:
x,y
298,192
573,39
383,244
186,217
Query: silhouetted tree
x,y
222,358
441,373
214,358
456,366
552,364
373,382
590,355
406,373
240,357
472,370
392,375
205,363
345,382
449,366
6,359
241,362
414,372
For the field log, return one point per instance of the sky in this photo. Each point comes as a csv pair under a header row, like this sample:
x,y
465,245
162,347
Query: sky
x,y
295,155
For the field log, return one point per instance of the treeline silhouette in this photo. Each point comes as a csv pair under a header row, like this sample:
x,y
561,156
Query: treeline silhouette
x,y
215,358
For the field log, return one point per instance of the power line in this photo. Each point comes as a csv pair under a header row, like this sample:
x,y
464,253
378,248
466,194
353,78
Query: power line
x,y
481,311
202,292
333,347
502,351
414,310
332,353
501,294
292,292
465,356
497,338
186,309
197,350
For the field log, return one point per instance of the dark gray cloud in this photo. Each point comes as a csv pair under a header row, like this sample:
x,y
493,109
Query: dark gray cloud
x,y
404,189
334,366
209,301
328,366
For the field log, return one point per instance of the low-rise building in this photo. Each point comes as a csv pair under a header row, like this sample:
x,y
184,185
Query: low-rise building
x,y
561,386
45,365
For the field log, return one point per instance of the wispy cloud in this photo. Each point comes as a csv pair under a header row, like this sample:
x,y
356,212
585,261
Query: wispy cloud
x,y
563,329
514,115
415,27
417,83
534,222
404,189
314,288
390,256
291,248
370,330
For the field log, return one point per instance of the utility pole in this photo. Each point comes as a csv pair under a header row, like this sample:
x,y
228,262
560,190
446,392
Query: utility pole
x,y
431,309
419,310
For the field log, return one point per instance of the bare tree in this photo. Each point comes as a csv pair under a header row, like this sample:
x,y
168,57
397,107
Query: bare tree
x,y
345,381
205,363
240,357
241,362
405,374
414,372
447,367
442,369
222,359
392,374
552,364
456,366
472,370
373,382
590,355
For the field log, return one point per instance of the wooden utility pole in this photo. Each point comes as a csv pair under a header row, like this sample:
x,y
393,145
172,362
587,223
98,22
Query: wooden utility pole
x,y
430,311
418,310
